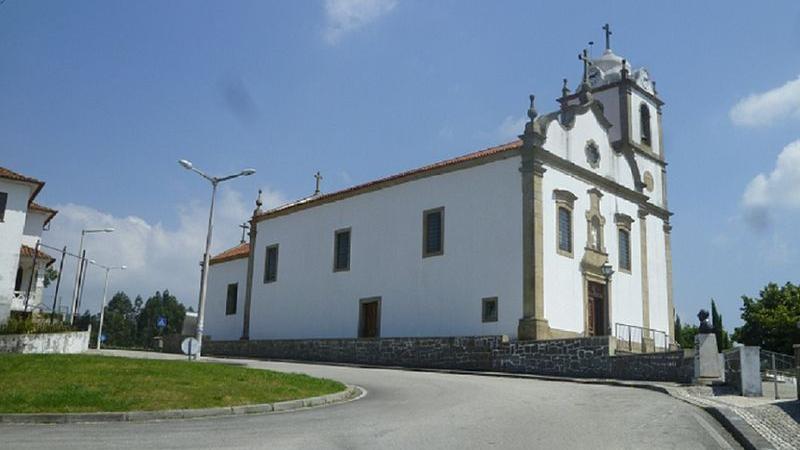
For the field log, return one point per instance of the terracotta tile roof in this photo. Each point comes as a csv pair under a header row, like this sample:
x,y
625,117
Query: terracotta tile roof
x,y
29,251
50,211
238,252
388,181
11,175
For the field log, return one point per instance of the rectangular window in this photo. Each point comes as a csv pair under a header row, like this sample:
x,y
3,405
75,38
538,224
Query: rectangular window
x,y
341,250
271,264
624,250
230,302
489,307
433,232
3,202
565,230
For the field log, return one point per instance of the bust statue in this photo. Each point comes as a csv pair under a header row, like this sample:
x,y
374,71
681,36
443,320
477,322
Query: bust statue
x,y
705,326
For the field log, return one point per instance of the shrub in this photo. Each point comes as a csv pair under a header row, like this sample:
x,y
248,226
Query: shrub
x,y
17,325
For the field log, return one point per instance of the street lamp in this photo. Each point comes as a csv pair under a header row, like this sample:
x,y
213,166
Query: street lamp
x,y
78,272
607,270
201,310
103,304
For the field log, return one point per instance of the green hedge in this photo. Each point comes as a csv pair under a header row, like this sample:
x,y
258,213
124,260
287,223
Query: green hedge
x,y
28,326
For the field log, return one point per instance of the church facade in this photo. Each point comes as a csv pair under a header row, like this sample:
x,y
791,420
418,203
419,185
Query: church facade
x,y
562,233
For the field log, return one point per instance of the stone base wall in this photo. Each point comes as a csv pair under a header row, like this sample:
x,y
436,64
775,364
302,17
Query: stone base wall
x,y
590,357
72,342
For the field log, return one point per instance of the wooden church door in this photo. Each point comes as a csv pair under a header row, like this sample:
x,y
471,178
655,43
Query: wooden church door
x,y
596,309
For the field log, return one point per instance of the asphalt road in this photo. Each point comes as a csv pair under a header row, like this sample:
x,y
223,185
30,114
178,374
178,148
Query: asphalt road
x,y
418,410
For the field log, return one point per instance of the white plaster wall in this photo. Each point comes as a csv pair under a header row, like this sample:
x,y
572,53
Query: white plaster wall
x,y
32,233
563,284
648,165
62,343
218,325
435,296
11,229
657,269
570,144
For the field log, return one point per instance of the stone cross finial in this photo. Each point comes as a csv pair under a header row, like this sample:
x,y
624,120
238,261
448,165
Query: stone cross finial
x,y
607,29
532,113
244,228
259,202
586,64
318,177
564,89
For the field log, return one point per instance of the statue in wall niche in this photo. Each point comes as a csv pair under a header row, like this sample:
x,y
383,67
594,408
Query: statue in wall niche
x,y
705,325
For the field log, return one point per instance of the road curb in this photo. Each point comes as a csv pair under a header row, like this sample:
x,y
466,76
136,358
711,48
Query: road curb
x,y
349,394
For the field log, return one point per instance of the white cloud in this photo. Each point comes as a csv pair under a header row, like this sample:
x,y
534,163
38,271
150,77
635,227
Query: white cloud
x,y
344,16
156,257
777,189
511,128
770,106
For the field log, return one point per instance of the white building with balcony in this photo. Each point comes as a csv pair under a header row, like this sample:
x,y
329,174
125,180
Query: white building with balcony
x,y
22,269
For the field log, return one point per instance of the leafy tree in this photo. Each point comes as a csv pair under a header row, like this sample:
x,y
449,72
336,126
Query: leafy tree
x,y
160,305
120,321
685,335
723,341
770,321
50,275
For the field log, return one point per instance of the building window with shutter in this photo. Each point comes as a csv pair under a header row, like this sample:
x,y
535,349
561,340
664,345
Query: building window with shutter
x,y
433,232
271,264
3,202
341,250
489,308
624,250
565,203
230,302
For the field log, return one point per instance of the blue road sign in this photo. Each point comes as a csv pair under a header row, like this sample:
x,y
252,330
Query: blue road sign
x,y
162,322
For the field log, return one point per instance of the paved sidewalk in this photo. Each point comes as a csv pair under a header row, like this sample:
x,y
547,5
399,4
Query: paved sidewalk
x,y
777,421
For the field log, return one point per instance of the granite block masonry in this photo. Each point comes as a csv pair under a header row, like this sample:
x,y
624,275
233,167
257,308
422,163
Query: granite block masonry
x,y
588,357
706,359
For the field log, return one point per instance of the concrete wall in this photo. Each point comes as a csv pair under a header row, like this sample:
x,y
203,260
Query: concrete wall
x,y
72,342
439,295
11,229
578,357
743,370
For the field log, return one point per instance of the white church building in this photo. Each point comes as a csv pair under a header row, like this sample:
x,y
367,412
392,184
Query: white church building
x,y
562,233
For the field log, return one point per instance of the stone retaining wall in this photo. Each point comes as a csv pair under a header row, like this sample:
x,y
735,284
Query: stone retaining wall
x,y
71,342
577,357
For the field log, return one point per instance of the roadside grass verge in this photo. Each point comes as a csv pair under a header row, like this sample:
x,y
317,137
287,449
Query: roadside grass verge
x,y
92,383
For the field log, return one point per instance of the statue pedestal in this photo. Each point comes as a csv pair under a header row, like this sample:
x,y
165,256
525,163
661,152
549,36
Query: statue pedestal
x,y
707,368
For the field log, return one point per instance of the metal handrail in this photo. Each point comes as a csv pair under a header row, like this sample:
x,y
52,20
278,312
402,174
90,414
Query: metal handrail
x,y
627,335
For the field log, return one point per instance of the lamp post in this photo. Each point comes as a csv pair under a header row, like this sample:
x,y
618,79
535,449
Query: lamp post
x,y
607,269
201,310
78,272
103,304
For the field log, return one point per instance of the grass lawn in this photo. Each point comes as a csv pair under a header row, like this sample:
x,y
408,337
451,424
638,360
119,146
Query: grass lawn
x,y
88,383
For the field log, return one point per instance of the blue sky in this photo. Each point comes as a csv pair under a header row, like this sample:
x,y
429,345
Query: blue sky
x,y
101,98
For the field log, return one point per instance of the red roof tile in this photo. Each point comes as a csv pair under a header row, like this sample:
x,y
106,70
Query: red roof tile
x,y
29,251
238,252
386,181
11,175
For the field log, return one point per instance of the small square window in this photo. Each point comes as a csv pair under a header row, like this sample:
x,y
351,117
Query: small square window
x,y
489,307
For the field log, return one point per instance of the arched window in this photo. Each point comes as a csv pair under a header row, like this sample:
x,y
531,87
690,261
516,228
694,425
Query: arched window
x,y
644,126
565,230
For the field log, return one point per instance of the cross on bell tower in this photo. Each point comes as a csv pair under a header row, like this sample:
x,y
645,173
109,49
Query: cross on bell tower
x,y
607,29
244,228
318,177
586,63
